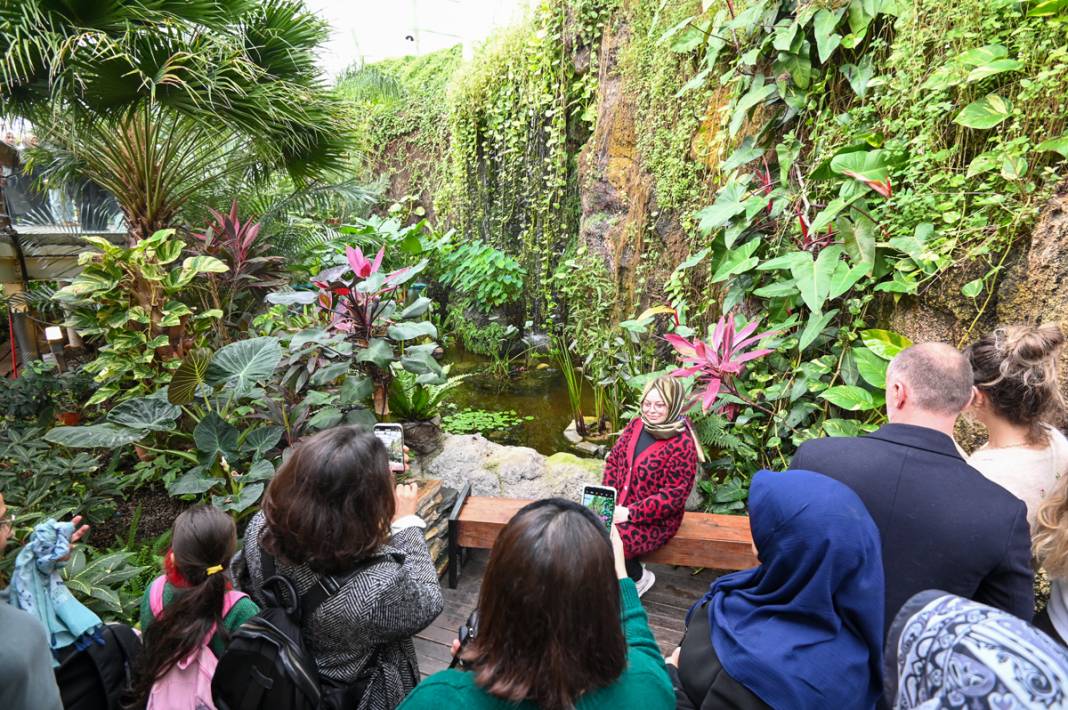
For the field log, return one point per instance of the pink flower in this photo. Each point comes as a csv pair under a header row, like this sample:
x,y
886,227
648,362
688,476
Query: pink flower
x,y
361,266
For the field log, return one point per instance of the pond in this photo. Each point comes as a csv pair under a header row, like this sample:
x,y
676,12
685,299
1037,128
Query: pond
x,y
538,395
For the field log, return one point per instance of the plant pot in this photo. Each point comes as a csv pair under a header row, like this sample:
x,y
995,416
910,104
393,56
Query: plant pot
x,y
423,437
69,418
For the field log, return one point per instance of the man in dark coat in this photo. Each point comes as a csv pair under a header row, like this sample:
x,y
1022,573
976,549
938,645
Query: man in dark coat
x,y
943,524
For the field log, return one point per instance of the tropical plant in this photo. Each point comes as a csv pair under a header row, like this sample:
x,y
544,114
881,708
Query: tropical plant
x,y
368,306
99,580
717,364
412,401
140,306
573,378
239,245
487,277
155,103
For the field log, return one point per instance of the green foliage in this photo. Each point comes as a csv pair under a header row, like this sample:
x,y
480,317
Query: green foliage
x,y
485,277
411,401
138,301
472,421
38,394
100,580
515,113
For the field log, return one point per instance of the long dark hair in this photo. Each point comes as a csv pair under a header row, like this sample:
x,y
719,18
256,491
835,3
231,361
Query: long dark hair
x,y
204,537
331,503
549,627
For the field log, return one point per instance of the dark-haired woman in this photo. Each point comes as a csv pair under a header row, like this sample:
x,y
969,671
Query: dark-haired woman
x,y
335,510
804,629
560,625
190,605
652,467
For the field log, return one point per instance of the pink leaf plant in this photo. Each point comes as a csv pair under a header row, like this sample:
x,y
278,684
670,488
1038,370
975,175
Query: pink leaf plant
x,y
717,363
356,303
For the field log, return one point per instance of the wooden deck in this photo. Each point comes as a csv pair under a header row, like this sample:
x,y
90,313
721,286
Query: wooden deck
x,y
666,604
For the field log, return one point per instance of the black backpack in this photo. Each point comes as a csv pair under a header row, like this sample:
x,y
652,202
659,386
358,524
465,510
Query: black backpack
x,y
267,665
98,677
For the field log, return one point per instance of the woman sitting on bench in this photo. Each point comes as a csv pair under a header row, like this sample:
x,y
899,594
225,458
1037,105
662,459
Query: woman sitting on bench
x,y
652,467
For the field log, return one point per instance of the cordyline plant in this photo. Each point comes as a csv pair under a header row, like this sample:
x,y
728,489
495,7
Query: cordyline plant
x,y
718,363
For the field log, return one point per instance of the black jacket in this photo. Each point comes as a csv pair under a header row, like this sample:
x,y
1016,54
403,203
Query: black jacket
x,y
943,525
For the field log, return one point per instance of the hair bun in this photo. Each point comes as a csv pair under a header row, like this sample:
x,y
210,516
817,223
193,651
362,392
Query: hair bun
x,y
1030,344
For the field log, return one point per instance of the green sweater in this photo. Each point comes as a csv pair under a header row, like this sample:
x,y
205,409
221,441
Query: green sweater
x,y
644,684
240,612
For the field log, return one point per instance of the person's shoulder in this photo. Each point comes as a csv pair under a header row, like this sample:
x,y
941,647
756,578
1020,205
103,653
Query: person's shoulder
x,y
17,623
441,687
646,680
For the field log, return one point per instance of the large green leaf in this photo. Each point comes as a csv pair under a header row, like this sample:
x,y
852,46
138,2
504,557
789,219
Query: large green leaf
x,y
412,329
94,436
1056,145
1047,8
378,351
145,413
816,324
737,261
985,113
261,440
868,167
245,363
89,281
884,343
841,427
995,67
355,390
259,471
190,375
196,481
729,202
325,418
247,497
827,40
814,277
758,93
416,308
421,363
850,397
308,335
214,435
871,367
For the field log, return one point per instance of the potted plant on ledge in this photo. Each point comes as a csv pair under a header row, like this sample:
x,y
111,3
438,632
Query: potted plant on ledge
x,y
417,406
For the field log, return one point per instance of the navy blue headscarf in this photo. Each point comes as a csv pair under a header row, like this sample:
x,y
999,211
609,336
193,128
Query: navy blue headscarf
x,y
805,628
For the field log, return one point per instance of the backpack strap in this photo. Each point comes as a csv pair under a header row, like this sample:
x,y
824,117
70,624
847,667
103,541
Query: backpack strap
x,y
155,596
329,585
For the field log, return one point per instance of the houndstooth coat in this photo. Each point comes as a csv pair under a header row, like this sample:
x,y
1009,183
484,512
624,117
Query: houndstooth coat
x,y
383,606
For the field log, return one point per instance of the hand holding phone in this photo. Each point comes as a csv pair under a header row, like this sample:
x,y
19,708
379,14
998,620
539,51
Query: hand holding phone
x,y
602,501
392,436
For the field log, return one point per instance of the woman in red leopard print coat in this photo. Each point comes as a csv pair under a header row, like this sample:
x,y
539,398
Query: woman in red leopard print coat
x,y
652,467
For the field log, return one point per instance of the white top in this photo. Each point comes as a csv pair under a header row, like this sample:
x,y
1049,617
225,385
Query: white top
x,y
1029,474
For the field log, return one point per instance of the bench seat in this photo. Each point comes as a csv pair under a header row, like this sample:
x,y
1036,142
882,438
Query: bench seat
x,y
721,542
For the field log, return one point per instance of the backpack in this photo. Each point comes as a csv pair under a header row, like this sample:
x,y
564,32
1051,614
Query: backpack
x,y
267,666
98,676
188,683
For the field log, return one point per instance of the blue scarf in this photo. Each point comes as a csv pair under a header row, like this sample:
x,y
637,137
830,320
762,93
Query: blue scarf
x,y
37,588
805,628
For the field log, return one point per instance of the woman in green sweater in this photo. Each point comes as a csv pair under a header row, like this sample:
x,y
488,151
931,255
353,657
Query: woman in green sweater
x,y
559,624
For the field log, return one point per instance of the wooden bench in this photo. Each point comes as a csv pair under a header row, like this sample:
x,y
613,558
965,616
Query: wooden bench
x,y
703,540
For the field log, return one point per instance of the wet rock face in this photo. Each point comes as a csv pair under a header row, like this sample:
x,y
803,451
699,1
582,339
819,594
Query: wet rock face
x,y
511,471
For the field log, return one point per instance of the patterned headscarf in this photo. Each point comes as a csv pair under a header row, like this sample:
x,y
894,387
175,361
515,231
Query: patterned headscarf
x,y
944,651
674,395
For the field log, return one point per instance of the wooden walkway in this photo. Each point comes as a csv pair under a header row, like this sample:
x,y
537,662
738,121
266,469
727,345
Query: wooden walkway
x,y
666,604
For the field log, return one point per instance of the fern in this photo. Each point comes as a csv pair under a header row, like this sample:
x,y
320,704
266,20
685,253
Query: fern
x,y
712,431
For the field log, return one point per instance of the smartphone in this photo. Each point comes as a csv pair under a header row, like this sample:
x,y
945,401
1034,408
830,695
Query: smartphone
x,y
602,501
392,435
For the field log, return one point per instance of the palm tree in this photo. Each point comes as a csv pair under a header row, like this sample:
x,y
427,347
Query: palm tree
x,y
159,100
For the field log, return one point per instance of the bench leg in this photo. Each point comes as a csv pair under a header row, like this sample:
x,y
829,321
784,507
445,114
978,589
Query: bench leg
x,y
455,553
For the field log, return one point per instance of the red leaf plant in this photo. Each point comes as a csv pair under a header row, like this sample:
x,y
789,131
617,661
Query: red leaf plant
x,y
356,293
718,363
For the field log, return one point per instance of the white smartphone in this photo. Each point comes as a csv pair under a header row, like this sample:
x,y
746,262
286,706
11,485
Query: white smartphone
x,y
392,435
602,501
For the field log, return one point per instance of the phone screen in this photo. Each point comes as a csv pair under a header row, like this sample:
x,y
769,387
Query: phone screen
x,y
602,501
393,438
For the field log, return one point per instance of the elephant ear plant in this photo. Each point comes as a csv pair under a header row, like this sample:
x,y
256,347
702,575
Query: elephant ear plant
x,y
205,416
357,300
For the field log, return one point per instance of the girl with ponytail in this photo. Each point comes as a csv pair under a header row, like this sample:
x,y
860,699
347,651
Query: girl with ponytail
x,y
188,613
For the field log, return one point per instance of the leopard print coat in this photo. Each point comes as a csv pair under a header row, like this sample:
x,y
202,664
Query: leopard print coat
x,y
654,488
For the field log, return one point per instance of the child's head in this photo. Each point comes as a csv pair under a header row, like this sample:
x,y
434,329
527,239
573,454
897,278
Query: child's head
x,y
204,539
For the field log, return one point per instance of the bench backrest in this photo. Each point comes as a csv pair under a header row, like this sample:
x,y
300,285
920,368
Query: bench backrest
x,y
703,540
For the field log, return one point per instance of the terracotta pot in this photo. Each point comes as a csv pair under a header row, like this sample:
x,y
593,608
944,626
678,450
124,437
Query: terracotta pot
x,y
69,418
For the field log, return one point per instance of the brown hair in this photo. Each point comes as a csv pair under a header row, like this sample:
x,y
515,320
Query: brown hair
x,y
1016,367
549,611
939,376
331,503
1050,540
204,537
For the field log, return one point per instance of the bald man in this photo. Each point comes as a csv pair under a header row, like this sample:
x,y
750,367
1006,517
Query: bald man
x,y
943,524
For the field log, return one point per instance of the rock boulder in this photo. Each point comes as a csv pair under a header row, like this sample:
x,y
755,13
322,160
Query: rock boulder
x,y
512,471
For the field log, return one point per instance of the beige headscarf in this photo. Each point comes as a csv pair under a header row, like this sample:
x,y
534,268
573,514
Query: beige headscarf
x,y
675,396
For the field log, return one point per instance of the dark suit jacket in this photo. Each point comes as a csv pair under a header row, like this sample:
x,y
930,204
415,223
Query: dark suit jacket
x,y
943,525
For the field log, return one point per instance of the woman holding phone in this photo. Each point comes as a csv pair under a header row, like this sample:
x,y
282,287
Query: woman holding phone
x,y
334,510
653,467
559,624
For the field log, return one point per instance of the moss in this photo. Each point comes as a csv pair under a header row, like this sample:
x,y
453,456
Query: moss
x,y
564,458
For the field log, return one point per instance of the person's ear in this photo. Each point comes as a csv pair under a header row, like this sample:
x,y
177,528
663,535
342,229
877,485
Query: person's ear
x,y
896,395
977,400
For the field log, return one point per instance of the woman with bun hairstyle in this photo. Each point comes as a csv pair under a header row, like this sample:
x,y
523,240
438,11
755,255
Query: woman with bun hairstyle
x,y
1018,400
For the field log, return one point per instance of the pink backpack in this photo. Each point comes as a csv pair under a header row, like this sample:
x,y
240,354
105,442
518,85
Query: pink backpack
x,y
186,686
